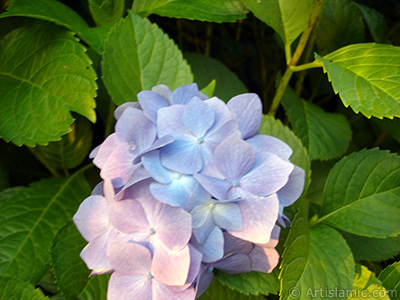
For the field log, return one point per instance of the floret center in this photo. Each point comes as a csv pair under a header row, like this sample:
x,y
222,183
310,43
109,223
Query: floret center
x,y
200,140
235,183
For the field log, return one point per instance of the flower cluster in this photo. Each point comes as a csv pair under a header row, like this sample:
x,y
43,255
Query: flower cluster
x,y
189,185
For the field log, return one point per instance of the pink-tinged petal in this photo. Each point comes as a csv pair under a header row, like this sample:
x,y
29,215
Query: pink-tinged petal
x,y
159,143
162,90
215,186
268,176
151,102
183,155
228,216
120,109
213,247
266,143
129,258
128,216
173,226
183,94
91,219
95,253
234,157
293,188
109,192
162,292
119,166
248,112
170,267
123,286
195,262
274,240
136,129
198,117
221,111
139,174
234,264
169,121
103,152
259,215
264,259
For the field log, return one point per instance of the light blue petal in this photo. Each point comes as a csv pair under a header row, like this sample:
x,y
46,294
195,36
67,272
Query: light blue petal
x,y
183,155
183,94
202,233
151,102
152,162
176,193
248,111
293,188
213,247
215,186
198,117
266,143
200,214
228,216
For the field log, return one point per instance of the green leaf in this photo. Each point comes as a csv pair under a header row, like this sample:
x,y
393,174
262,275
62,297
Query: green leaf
x,y
288,18
391,126
205,69
138,56
376,23
31,218
106,12
362,194
274,127
72,149
366,248
203,10
53,78
328,265
209,89
96,289
60,14
341,24
217,291
325,135
71,272
253,283
16,289
367,286
390,278
366,77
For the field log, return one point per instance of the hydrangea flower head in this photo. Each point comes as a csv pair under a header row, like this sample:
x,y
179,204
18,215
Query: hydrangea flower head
x,y
190,185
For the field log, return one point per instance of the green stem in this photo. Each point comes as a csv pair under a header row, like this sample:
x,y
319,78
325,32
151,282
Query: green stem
x,y
44,162
314,64
295,58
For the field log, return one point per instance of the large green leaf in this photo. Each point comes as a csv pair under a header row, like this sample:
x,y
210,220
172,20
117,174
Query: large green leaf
x,y
253,283
362,194
315,260
44,74
61,14
288,18
367,248
376,23
217,291
341,24
16,289
325,135
206,69
69,269
366,76
106,12
96,288
31,218
274,127
72,149
138,56
367,286
203,10
390,278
